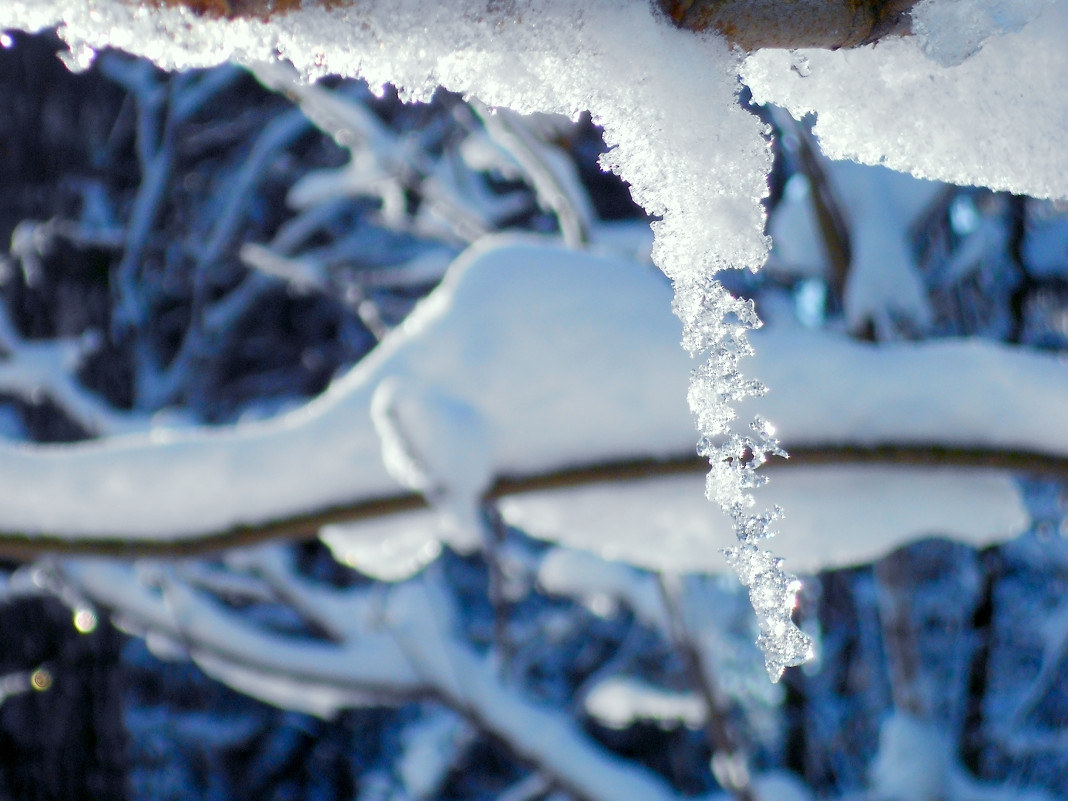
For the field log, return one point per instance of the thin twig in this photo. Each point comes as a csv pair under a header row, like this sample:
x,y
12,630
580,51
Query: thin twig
x,y
493,536
729,760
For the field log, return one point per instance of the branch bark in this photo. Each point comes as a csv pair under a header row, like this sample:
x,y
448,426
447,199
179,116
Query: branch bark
x,y
749,24
793,24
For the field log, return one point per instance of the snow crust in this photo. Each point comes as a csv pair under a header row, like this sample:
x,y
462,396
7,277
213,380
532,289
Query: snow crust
x,y
996,120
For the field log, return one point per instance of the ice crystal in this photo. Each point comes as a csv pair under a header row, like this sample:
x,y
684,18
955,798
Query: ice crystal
x,y
733,461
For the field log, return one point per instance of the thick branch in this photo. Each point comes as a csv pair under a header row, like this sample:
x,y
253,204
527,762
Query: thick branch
x,y
750,24
19,546
792,24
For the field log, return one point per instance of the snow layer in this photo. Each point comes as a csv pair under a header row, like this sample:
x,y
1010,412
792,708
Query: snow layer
x,y
997,119
832,390
619,701
950,32
835,516
392,548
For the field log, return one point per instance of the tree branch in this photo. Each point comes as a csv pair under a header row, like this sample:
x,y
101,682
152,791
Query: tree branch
x,y
749,24
22,547
729,760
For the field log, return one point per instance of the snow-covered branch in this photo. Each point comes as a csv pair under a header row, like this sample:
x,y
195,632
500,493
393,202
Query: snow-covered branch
x,y
33,370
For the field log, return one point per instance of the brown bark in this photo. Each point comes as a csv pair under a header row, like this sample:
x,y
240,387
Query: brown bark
x,y
792,24
749,24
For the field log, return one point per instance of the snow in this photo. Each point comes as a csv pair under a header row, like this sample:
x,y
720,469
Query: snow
x,y
798,248
437,446
951,32
321,700
913,760
429,751
879,208
693,158
662,139
603,380
619,701
916,760
392,548
996,120
836,516
881,205
572,393
963,393
602,586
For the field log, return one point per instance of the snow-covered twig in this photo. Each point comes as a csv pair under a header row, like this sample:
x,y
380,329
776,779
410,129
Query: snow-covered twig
x,y
157,386
32,370
383,164
729,760
403,650
553,176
